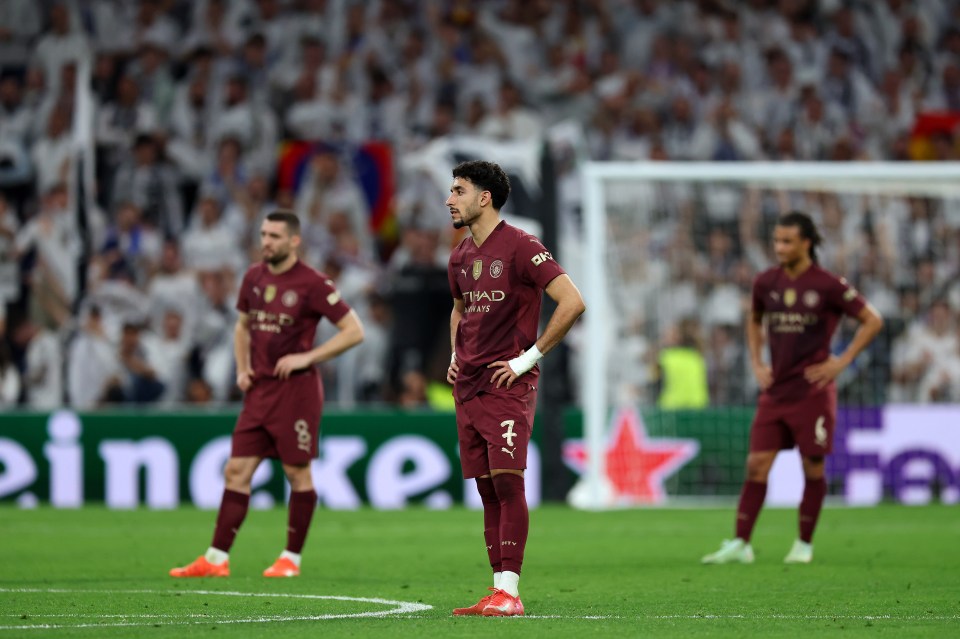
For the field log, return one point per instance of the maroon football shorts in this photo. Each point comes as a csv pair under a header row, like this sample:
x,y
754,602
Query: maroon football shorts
x,y
494,430
280,419
807,423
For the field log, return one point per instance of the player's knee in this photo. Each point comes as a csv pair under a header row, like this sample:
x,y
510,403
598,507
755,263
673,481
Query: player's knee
x,y
814,466
758,467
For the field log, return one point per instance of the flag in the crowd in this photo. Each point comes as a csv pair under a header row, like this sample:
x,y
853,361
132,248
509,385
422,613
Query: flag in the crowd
x,y
926,128
372,168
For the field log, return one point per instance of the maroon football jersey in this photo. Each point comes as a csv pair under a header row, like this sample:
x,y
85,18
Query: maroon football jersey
x,y
501,284
284,311
801,316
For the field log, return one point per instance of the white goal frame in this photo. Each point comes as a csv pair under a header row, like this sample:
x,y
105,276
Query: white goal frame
x,y
940,178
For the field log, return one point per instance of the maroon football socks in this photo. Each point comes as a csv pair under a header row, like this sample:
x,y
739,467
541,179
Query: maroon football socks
x,y
514,520
814,490
751,501
491,520
233,510
302,505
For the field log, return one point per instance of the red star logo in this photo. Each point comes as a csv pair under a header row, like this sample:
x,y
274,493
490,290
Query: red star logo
x,y
636,465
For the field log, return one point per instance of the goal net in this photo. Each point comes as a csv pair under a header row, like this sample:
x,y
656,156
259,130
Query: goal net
x,y
669,254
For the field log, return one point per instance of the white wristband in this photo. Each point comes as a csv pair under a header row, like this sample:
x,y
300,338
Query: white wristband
x,y
523,363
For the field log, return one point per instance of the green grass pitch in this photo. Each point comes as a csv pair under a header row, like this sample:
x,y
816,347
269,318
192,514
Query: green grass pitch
x,y
889,571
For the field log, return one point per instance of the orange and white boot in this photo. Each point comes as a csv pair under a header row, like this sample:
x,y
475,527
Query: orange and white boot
x,y
475,609
503,604
200,567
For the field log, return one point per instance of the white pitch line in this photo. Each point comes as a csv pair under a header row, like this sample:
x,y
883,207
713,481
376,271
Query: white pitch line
x,y
401,607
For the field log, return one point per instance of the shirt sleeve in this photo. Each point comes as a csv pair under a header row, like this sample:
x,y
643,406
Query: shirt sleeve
x,y
535,263
452,266
243,297
845,297
325,301
756,298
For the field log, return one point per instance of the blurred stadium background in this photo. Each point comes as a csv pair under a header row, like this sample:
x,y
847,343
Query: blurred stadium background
x,y
142,141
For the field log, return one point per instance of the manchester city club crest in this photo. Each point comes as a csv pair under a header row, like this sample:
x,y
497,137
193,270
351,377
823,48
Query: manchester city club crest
x,y
810,298
477,269
289,299
270,293
789,297
496,269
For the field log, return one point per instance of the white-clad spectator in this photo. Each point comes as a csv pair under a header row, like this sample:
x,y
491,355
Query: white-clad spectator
x,y
169,347
153,23
724,137
52,153
20,23
310,62
388,108
110,24
267,18
173,285
9,262
52,236
328,201
257,129
16,116
138,244
846,86
944,95
774,106
923,356
151,70
152,185
808,53
211,28
511,119
190,141
137,381
246,213
308,117
63,43
120,121
214,331
91,362
817,126
209,244
229,176
43,372
255,65
10,386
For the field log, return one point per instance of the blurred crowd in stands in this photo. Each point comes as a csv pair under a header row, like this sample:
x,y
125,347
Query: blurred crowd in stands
x,y
118,277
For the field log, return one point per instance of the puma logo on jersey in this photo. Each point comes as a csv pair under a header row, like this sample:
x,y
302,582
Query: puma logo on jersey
x,y
463,272
509,451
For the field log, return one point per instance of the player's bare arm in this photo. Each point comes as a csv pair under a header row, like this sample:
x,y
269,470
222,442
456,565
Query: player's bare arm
x,y
455,316
349,334
570,306
755,339
241,351
823,373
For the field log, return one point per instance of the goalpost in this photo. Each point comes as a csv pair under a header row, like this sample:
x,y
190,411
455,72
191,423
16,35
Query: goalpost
x,y
654,232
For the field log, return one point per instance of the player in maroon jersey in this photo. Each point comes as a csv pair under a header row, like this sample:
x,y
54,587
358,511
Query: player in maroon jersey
x,y
281,301
497,276
801,305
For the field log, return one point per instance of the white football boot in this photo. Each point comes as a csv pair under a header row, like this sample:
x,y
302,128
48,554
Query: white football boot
x,y
732,551
800,553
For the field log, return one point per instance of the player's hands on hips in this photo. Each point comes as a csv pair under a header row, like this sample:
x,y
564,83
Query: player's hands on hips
x,y
453,369
504,374
245,379
764,375
823,373
287,364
